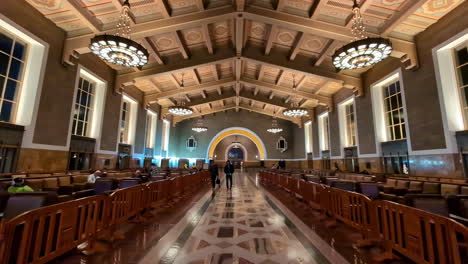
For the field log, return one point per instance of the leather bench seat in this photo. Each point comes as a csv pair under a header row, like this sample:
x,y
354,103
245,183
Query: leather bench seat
x,y
19,203
79,182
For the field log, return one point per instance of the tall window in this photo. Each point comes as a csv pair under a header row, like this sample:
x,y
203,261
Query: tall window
x,y
83,107
461,65
394,116
308,136
350,124
125,122
325,133
165,135
12,61
150,129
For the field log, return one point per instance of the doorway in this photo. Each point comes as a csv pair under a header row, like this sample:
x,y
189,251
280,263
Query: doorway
x,y
236,155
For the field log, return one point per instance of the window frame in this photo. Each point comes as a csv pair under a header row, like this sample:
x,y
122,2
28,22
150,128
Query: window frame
x,y
460,87
124,139
89,115
389,124
324,133
20,81
165,135
150,131
350,126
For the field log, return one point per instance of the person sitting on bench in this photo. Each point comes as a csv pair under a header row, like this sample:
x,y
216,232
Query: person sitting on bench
x,y
18,185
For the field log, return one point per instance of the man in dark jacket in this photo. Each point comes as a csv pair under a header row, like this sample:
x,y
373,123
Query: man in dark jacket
x,y
229,170
214,173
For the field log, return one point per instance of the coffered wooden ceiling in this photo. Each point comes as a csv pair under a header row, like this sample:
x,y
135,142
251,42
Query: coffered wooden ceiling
x,y
242,54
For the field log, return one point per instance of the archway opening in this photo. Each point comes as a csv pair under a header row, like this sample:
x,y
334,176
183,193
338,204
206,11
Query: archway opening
x,y
231,135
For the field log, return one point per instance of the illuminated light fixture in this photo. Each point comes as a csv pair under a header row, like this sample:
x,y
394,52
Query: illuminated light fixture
x,y
274,126
120,49
199,126
180,109
363,51
295,110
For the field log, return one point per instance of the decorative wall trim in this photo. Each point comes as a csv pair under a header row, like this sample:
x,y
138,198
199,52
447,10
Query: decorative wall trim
x,y
242,131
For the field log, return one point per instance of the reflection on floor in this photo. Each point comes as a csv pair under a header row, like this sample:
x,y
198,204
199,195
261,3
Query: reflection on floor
x,y
244,226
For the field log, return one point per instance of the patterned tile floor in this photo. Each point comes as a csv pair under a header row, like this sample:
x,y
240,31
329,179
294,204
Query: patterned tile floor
x,y
242,226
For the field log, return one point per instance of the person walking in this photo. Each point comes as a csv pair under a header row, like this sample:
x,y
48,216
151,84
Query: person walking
x,y
214,173
229,170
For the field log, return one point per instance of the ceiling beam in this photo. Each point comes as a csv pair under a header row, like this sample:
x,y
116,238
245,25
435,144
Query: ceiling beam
x,y
272,32
141,30
214,70
316,6
206,35
164,8
261,73
174,64
182,48
284,90
239,35
153,49
200,5
314,27
178,119
175,81
280,60
85,16
197,102
203,94
300,38
280,77
195,76
153,98
264,112
280,4
329,47
398,17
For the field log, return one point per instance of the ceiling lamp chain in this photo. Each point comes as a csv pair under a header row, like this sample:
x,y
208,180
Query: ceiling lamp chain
x,y
294,110
363,51
275,128
119,48
180,109
200,125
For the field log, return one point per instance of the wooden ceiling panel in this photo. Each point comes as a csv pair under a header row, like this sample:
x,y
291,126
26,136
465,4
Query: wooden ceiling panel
x,y
258,32
181,7
285,37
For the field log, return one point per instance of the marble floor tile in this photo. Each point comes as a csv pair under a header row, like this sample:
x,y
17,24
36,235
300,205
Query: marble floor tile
x,y
243,226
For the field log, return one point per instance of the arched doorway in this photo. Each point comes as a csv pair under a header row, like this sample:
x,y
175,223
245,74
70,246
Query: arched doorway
x,y
237,131
236,155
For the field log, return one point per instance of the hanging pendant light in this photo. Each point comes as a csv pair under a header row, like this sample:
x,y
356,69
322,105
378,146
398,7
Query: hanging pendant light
x,y
274,127
363,51
120,49
295,110
199,126
180,109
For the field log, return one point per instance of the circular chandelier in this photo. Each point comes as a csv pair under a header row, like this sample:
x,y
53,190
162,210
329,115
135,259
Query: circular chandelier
x,y
199,126
180,109
274,127
295,110
363,51
120,49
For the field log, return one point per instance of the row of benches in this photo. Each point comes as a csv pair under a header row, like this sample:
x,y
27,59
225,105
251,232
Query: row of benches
x,y
43,234
421,236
